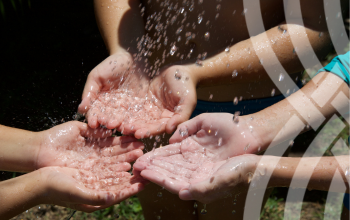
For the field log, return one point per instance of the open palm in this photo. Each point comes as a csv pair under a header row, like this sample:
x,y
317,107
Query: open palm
x,y
174,95
75,145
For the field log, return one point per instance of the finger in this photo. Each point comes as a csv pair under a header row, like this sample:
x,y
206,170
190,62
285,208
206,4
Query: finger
x,y
83,195
177,162
127,157
87,131
164,152
144,129
91,117
187,129
171,168
119,149
187,108
129,191
171,184
90,92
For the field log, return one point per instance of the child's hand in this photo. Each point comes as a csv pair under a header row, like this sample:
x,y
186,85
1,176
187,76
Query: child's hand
x,y
74,144
175,92
223,134
120,74
84,191
192,172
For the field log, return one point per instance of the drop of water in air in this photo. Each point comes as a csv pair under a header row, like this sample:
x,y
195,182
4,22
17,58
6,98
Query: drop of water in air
x,y
159,194
234,73
173,50
219,142
227,49
195,205
235,101
233,211
204,211
207,36
200,19
281,77
273,92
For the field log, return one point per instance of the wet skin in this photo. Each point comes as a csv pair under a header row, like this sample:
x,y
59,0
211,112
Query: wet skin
x,y
252,76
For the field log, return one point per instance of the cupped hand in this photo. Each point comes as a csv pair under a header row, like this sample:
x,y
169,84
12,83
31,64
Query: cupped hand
x,y
74,144
192,171
174,94
85,191
112,90
224,135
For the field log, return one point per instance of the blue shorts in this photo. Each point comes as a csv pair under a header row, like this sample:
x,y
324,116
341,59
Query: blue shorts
x,y
244,107
346,201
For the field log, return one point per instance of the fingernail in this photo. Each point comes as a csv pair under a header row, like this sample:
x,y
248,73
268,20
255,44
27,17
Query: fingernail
x,y
185,195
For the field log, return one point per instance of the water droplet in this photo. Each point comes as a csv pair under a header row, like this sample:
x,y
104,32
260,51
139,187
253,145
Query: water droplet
x,y
207,36
291,143
320,34
235,117
159,194
261,61
227,49
158,217
165,40
177,75
183,132
217,16
178,38
281,77
194,212
219,142
204,211
211,97
199,62
244,11
273,92
249,177
338,14
233,211
179,30
195,205
200,19
200,2
235,101
347,172
218,7
204,55
191,8
234,73
173,50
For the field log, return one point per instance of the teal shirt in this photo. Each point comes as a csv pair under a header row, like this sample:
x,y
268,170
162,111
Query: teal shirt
x,y
339,66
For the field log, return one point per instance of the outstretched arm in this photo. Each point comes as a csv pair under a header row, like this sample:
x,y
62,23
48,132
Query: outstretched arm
x,y
18,149
64,187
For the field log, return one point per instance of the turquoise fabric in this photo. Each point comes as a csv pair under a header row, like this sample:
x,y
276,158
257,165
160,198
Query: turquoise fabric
x,y
339,66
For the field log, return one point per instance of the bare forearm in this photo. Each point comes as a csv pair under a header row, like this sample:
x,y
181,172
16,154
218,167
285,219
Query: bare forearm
x,y
120,23
18,149
311,172
290,116
20,194
246,59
